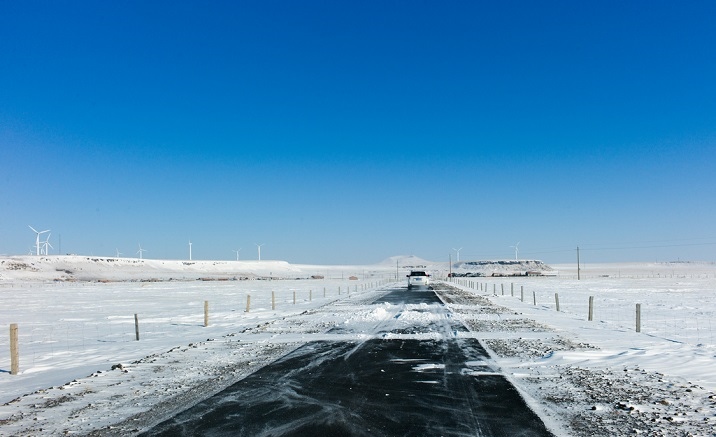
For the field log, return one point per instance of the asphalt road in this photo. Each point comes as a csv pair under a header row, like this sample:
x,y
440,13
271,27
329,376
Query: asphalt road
x,y
401,382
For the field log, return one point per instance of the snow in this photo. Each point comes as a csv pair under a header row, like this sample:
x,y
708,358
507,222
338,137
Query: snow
x,y
586,372
72,332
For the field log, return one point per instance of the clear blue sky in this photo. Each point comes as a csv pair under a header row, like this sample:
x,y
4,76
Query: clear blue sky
x,y
347,132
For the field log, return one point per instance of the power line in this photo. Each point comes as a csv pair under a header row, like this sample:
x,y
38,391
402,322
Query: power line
x,y
650,247
616,246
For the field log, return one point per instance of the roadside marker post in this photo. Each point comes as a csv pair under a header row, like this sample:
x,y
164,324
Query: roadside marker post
x,y
638,317
14,350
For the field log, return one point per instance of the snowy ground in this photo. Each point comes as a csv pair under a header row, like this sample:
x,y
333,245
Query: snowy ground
x,y
583,378
599,377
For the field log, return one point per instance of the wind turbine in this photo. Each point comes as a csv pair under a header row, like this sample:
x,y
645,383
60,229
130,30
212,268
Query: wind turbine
x,y
517,250
140,251
37,238
189,250
46,243
237,253
259,247
458,253
118,253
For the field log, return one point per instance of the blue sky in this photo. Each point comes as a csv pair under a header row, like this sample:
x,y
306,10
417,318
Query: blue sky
x,y
348,132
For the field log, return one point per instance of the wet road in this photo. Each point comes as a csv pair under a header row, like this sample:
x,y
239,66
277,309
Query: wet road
x,y
411,379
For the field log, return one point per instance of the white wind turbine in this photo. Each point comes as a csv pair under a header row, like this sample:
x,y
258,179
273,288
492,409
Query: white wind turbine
x,y
237,253
189,250
37,238
517,250
458,253
259,247
118,253
45,245
140,251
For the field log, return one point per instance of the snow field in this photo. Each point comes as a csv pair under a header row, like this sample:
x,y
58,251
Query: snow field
x,y
67,331
599,375
597,378
677,309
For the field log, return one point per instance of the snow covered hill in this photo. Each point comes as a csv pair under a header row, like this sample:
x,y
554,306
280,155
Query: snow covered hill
x,y
92,268
88,268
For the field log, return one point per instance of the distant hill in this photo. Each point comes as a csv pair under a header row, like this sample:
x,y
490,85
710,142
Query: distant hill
x,y
407,261
110,269
93,268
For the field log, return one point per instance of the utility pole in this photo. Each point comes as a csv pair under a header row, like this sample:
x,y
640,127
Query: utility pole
x,y
578,273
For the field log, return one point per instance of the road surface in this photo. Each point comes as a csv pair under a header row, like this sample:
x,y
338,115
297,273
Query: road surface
x,y
414,376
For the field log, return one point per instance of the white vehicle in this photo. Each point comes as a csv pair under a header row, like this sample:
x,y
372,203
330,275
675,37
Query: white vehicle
x,y
418,278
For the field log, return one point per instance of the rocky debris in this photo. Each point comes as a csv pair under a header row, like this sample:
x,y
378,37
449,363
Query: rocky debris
x,y
529,349
632,401
16,265
457,296
505,325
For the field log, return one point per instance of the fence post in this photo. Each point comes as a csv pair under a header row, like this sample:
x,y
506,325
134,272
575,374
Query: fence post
x,y
248,303
512,289
136,326
273,300
502,287
14,350
556,300
494,289
206,313
324,291
339,290
522,293
534,298
591,308
294,297
638,317
310,295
